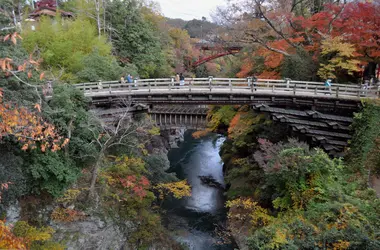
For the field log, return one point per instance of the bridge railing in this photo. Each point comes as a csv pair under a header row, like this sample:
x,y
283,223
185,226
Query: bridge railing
x,y
233,85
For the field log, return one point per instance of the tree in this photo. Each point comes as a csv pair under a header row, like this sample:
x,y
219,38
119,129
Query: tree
x,y
287,33
342,58
26,126
135,39
67,46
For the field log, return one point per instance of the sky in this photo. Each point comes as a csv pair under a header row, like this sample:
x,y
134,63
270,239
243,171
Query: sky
x,y
189,9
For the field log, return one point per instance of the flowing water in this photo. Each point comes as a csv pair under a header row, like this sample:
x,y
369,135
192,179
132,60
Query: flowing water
x,y
198,220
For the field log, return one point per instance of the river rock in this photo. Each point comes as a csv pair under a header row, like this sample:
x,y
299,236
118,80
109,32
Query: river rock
x,y
210,181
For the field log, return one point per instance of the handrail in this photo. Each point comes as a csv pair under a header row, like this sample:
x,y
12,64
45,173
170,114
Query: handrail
x,y
229,85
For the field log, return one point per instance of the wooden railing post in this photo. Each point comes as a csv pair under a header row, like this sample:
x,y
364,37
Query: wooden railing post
x,y
273,88
149,86
171,83
249,82
130,87
230,83
84,87
337,91
190,84
287,82
100,86
109,88
294,89
210,82
315,91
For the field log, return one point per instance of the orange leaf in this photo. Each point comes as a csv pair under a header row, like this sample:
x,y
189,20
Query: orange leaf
x,y
2,64
13,39
42,75
9,66
25,147
6,37
29,74
65,142
38,107
20,68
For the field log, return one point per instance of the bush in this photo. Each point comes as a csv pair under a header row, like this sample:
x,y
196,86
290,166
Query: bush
x,y
98,67
50,172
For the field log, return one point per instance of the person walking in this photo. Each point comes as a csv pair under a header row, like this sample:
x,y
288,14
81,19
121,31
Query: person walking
x,y
254,81
328,86
129,78
181,80
177,78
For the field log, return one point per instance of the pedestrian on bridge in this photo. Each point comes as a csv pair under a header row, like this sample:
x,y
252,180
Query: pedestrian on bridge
x,y
129,78
254,81
177,78
181,80
328,86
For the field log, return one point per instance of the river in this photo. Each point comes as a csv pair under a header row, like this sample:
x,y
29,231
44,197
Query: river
x,y
197,221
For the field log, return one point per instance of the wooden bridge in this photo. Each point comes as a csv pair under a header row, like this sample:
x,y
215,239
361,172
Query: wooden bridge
x,y
321,114
210,90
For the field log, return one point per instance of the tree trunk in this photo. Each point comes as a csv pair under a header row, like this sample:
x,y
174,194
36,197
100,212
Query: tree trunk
x,y
98,21
95,174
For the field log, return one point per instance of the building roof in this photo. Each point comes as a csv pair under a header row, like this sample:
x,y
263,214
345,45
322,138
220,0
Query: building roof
x,y
48,11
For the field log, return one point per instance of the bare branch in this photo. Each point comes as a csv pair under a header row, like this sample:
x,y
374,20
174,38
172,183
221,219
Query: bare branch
x,y
269,22
14,73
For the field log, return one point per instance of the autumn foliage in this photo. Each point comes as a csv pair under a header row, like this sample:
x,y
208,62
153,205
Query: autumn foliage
x,y
177,189
339,38
8,240
25,125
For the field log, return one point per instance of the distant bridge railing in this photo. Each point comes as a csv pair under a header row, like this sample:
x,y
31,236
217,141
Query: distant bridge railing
x,y
228,85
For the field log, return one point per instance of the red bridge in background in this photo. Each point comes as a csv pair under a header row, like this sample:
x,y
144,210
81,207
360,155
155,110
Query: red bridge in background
x,y
212,51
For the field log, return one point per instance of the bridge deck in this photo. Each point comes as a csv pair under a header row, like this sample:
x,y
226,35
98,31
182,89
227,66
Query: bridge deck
x,y
227,87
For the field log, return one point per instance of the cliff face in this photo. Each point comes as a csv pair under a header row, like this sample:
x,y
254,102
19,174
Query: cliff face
x,y
96,229
101,232
92,233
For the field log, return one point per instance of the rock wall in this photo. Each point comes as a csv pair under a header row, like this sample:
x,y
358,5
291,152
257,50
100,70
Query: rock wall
x,y
174,136
92,233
